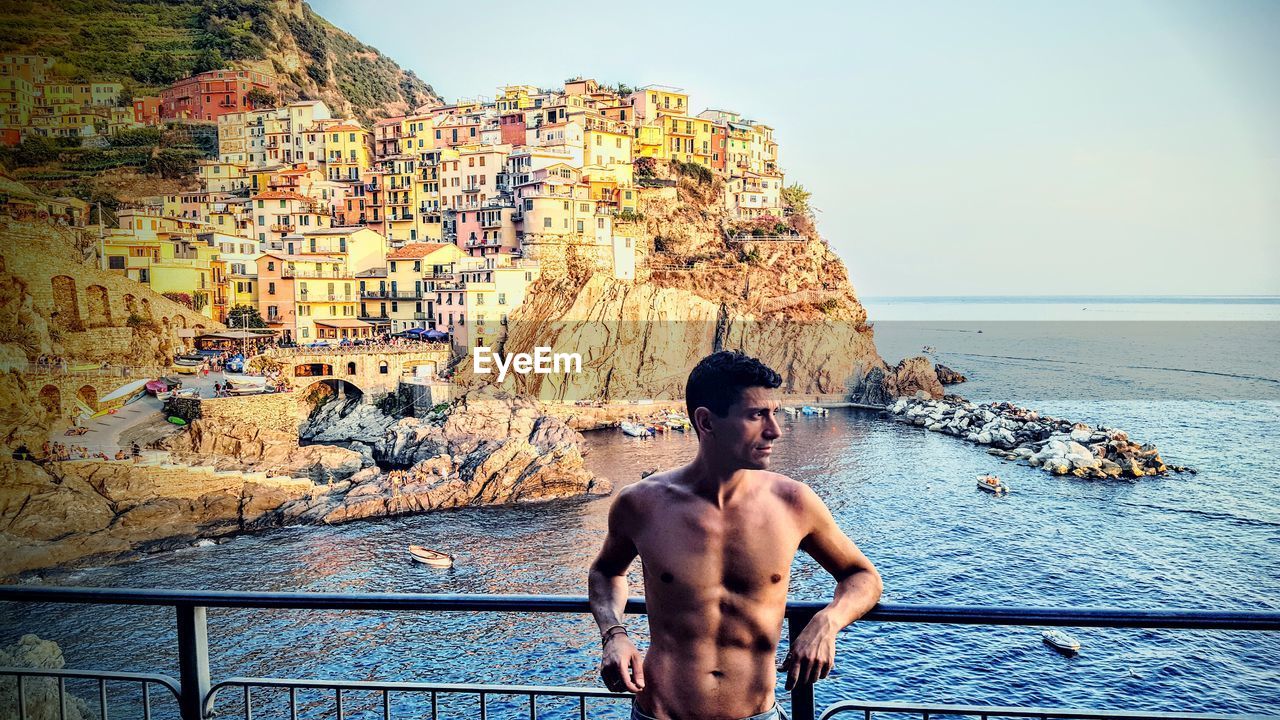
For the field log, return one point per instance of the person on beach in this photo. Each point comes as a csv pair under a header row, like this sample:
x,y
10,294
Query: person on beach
x,y
716,539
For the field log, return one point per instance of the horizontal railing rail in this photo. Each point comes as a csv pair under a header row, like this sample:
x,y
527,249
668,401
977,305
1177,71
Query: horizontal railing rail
x,y
866,709
196,692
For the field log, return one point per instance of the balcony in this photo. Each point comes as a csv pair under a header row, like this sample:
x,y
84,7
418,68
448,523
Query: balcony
x,y
283,228
323,274
370,317
402,217
390,294
470,189
198,694
325,297
421,316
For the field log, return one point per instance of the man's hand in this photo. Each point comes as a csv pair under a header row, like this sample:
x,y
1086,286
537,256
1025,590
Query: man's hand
x,y
623,666
813,654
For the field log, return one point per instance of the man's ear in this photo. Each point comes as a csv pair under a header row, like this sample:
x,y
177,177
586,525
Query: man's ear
x,y
702,420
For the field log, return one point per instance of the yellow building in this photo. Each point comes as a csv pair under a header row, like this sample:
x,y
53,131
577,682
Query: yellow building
x,y
17,98
171,263
654,101
516,97
605,142
347,151
400,298
651,141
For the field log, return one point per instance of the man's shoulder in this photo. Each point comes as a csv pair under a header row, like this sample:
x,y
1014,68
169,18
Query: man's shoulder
x,y
790,491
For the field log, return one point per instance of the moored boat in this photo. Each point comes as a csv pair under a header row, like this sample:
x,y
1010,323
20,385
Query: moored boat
x,y
635,429
811,410
1061,641
992,484
434,558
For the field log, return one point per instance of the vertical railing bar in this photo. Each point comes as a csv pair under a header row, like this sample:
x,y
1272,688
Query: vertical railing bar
x,y
338,692
386,705
102,697
802,693
146,700
533,707
582,707
248,704
293,703
484,711
22,699
62,698
434,699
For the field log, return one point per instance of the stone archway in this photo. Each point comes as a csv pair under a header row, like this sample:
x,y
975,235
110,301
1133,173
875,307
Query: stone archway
x,y
182,321
66,303
322,392
51,399
146,308
88,395
97,306
130,304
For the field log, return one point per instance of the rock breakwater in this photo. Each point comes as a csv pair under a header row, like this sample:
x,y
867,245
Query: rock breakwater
x,y
1058,446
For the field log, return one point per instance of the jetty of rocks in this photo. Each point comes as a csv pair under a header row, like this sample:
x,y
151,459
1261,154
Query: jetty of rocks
x,y
1058,446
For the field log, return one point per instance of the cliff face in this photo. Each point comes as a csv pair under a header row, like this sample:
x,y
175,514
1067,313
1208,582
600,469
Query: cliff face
x,y
788,303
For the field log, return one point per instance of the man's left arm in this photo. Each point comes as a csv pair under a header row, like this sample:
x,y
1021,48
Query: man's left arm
x,y
858,587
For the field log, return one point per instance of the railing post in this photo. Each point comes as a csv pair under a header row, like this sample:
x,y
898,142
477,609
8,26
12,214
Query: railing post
x,y
193,660
802,694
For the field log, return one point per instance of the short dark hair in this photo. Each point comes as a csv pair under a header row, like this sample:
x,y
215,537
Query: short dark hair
x,y
718,380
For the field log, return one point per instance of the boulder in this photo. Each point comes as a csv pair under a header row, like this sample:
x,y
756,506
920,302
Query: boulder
x,y
947,376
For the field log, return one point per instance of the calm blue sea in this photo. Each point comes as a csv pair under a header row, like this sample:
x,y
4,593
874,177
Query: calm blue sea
x,y
1197,376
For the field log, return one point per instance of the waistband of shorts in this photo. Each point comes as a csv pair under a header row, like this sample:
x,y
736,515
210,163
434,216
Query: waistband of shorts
x,y
773,713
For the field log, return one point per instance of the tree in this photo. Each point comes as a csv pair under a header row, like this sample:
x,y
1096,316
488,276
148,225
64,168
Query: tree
x,y
260,98
208,59
245,316
795,199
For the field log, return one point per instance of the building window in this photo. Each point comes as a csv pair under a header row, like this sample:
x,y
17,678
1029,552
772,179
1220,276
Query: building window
x,y
382,367
115,262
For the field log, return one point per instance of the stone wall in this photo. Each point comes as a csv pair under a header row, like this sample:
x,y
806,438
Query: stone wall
x,y
272,411
56,393
79,300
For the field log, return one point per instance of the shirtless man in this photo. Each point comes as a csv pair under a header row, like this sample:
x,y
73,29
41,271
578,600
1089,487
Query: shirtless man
x,y
716,539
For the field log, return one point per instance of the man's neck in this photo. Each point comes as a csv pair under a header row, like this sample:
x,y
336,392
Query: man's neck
x,y
713,481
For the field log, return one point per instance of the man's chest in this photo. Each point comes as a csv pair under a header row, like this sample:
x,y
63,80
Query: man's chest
x,y
740,552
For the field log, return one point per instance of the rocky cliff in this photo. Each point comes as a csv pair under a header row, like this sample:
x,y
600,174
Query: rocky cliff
x,y
696,291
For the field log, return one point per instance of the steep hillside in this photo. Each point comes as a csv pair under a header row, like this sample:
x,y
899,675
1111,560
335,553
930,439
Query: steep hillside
x,y
147,44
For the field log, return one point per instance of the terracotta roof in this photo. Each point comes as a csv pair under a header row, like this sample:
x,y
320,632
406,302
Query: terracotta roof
x,y
280,195
344,128
415,250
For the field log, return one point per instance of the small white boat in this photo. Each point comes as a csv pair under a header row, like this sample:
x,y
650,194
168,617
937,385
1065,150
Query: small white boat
x,y
430,557
635,429
164,394
1061,641
811,410
790,411
992,484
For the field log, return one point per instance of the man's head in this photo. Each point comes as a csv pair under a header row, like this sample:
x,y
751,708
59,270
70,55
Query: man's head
x,y
732,407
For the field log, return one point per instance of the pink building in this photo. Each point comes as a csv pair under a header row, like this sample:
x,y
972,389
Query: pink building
x,y
487,231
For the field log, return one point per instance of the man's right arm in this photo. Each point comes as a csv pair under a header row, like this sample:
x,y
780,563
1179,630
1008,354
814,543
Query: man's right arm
x,y
622,667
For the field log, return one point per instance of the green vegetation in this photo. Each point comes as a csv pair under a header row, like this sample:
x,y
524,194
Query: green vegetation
x,y
702,175
795,199
148,44
245,316
628,216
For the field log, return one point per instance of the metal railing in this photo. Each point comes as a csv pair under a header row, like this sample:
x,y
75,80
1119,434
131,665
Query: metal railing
x,y
197,693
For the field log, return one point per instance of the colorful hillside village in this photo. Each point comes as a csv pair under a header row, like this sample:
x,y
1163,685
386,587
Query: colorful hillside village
x,y
437,220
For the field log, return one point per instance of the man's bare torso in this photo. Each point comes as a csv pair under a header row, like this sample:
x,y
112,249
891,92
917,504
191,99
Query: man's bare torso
x,y
716,587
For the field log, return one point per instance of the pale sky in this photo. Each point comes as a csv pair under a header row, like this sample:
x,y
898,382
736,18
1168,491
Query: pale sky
x,y
953,148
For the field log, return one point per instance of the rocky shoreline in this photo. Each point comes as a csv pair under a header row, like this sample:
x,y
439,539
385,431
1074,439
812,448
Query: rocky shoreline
x,y
220,479
1057,446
